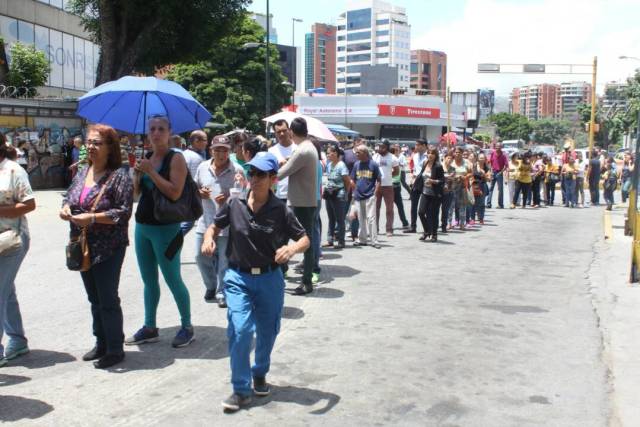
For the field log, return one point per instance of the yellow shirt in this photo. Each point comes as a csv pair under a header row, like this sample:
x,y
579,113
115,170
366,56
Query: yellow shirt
x,y
524,172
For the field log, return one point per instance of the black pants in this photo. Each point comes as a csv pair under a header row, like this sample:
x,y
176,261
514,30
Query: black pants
x,y
550,187
415,200
535,189
447,198
523,188
428,211
306,216
397,199
101,283
284,267
403,181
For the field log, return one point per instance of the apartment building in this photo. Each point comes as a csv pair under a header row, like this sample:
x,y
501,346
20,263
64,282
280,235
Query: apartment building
x,y
320,58
429,71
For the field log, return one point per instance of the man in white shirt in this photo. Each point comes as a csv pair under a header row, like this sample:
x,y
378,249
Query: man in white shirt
x,y
282,150
417,158
194,156
389,168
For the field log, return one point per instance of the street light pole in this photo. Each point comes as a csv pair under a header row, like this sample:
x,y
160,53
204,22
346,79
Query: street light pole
x,y
293,30
592,126
267,70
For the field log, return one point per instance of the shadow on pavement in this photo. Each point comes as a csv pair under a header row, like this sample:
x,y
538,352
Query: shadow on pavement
x,y
328,293
16,408
300,396
7,380
330,253
210,343
37,359
287,313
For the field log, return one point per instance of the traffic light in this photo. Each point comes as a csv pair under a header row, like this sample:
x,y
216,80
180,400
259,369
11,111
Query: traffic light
x,y
399,91
596,129
422,92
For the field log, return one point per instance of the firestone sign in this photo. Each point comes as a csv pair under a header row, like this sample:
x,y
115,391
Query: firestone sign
x,y
405,111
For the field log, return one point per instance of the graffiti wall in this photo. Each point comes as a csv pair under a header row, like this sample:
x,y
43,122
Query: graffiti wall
x,y
48,150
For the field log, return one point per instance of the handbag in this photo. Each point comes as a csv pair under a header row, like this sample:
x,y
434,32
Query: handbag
x,y
10,240
77,250
330,193
418,183
187,208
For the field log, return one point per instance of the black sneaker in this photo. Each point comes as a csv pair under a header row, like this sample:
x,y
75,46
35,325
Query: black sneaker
x,y
143,335
93,354
108,360
303,289
183,338
235,402
409,230
210,295
260,386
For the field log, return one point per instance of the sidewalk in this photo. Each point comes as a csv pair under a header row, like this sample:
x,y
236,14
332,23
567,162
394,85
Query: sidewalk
x,y
617,303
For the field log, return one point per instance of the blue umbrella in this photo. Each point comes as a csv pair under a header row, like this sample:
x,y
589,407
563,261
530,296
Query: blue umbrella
x,y
125,103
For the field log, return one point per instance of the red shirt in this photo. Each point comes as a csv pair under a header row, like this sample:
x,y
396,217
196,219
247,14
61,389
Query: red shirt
x,y
498,162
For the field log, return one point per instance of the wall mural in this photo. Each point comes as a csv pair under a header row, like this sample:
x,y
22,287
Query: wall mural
x,y
47,153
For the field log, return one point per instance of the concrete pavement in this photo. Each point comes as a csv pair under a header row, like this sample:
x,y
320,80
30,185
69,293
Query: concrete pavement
x,y
512,324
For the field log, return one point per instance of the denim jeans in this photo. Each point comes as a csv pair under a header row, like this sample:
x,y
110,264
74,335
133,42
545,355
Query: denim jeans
x,y
212,269
101,282
570,192
521,187
9,307
446,208
335,212
306,216
254,304
497,179
186,227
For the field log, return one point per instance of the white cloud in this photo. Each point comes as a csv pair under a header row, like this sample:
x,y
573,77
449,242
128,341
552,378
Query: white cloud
x,y
545,31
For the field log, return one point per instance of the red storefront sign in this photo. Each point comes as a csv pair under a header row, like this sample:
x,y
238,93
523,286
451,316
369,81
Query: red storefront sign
x,y
404,111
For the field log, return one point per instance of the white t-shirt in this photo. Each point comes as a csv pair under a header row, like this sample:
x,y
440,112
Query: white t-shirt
x,y
14,188
281,153
418,158
582,167
193,160
386,164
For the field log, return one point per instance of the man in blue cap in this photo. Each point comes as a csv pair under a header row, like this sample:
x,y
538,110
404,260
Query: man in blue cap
x,y
259,228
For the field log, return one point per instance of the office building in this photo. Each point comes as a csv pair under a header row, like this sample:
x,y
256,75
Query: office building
x,y
320,58
570,95
535,101
261,19
429,71
371,32
60,35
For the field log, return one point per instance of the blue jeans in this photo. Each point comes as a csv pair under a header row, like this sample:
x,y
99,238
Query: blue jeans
x,y
306,216
496,179
9,307
335,212
212,269
254,304
571,196
186,227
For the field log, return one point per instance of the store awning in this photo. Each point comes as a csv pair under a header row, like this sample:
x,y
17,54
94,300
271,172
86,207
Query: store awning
x,y
343,130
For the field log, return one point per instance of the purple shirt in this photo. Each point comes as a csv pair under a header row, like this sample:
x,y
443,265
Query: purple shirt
x,y
498,162
116,203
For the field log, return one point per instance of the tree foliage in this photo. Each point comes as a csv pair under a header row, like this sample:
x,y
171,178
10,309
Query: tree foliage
x,y
29,67
141,35
512,126
231,82
550,131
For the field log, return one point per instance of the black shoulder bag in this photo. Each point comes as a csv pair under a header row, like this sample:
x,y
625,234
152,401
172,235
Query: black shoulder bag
x,y
187,208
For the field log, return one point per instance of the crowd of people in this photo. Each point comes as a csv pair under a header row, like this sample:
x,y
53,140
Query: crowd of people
x,y
260,205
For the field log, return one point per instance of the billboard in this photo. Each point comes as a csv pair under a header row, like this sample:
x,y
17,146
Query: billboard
x,y
487,102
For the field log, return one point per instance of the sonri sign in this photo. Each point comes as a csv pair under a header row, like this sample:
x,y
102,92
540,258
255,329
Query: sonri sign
x,y
404,111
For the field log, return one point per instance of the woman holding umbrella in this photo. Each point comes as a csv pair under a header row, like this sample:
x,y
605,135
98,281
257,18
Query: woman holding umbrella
x,y
158,244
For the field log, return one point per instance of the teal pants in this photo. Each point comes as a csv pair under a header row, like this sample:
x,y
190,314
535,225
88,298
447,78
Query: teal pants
x,y
151,243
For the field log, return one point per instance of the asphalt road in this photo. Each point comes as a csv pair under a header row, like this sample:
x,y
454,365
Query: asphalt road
x,y
491,327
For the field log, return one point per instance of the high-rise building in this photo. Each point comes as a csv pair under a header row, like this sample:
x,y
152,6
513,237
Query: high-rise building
x,y
570,95
429,71
614,96
320,57
535,101
261,19
371,32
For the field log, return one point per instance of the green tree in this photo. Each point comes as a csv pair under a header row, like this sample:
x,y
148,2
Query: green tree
x,y
231,82
142,35
550,131
632,95
29,67
512,126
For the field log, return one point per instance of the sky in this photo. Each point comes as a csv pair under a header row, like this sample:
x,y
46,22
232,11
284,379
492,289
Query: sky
x,y
499,31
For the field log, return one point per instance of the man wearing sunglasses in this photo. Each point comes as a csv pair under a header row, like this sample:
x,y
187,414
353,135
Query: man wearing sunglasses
x,y
259,229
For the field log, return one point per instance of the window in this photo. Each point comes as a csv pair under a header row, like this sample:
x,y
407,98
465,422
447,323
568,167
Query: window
x,y
382,44
426,68
358,46
382,21
382,55
353,80
25,32
341,27
358,19
359,57
414,68
382,33
341,48
340,79
340,58
353,68
361,35
341,38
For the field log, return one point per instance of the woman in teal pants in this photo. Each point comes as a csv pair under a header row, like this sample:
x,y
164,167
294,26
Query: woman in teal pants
x,y
158,244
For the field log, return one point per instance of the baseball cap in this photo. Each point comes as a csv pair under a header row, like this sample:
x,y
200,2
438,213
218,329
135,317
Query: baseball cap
x,y
265,162
386,143
220,141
